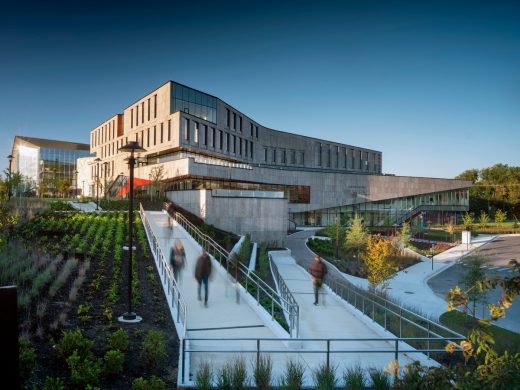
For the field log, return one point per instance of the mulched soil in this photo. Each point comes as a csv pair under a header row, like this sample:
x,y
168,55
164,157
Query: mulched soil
x,y
152,308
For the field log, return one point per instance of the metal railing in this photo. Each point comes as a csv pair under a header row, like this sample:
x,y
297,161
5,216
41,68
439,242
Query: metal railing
x,y
427,207
179,307
254,285
292,307
331,346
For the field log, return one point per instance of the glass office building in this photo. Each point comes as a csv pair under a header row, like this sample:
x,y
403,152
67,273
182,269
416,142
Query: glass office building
x,y
47,163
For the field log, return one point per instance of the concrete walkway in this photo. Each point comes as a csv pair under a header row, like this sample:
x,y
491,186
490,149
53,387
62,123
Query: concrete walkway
x,y
409,286
82,206
225,318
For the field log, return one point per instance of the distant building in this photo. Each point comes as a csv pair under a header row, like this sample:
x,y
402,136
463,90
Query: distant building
x,y
46,163
237,174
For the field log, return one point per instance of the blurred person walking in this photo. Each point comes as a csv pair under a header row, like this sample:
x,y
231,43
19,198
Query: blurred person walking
x,y
202,273
318,270
177,259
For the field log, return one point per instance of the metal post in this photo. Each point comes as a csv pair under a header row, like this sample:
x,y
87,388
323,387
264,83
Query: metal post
x,y
183,360
10,188
385,313
396,350
400,322
257,353
328,353
429,325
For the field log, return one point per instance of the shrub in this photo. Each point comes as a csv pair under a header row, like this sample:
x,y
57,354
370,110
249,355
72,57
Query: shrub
x,y
203,377
380,379
118,340
262,372
224,377
153,349
292,379
238,373
83,313
325,377
73,340
83,371
52,383
113,362
153,384
27,361
354,378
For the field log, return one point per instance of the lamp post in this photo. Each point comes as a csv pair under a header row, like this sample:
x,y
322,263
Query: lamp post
x,y
76,184
131,147
97,160
431,255
9,193
105,164
83,189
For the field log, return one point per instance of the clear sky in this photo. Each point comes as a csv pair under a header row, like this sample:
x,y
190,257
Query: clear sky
x,y
433,85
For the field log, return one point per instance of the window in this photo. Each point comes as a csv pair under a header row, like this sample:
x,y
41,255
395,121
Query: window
x,y
228,117
213,134
154,106
142,112
256,131
234,143
196,132
360,159
147,137
245,148
221,139
251,148
293,157
239,146
132,118
142,138
228,143
265,154
274,156
252,134
154,135
205,134
352,159
137,115
317,146
234,121
169,129
186,128
162,139
284,157
148,108
240,129
337,156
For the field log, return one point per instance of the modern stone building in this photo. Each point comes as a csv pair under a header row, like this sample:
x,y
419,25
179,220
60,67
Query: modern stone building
x,y
46,163
200,143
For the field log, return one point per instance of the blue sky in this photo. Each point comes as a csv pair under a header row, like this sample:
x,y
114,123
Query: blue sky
x,y
433,85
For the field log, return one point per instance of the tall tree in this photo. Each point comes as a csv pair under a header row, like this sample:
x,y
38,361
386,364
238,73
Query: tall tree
x,y
472,281
377,261
356,237
157,175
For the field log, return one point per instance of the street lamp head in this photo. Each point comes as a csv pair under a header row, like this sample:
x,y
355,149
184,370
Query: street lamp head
x,y
132,146
97,159
10,157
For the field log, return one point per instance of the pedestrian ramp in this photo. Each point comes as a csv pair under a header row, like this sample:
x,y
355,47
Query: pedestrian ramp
x,y
235,325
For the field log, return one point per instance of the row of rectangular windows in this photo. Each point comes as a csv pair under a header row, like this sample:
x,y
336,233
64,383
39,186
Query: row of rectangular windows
x,y
296,157
345,158
252,126
152,136
103,134
141,113
214,138
100,168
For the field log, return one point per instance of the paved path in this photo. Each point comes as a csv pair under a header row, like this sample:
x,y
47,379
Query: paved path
x,y
496,256
224,318
409,287
82,206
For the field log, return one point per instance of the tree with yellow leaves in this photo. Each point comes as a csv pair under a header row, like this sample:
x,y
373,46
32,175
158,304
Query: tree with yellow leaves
x,y
377,261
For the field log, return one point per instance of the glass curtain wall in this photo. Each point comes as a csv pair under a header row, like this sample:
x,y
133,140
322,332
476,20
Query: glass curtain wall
x,y
193,102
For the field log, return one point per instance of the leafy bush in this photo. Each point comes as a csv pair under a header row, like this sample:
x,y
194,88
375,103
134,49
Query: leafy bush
x,y
73,341
354,378
153,384
118,340
203,376
153,349
262,372
292,379
52,383
325,377
416,376
380,379
27,357
83,371
323,247
113,362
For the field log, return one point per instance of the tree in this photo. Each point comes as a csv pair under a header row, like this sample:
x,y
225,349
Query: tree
x,y
471,175
405,234
356,236
473,279
157,174
63,186
337,233
500,216
377,261
450,229
467,221
483,219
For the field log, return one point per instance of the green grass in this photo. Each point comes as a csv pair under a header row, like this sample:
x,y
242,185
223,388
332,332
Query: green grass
x,y
505,340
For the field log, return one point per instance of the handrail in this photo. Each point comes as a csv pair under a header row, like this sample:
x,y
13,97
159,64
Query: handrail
x,y
233,265
293,308
172,289
327,349
431,207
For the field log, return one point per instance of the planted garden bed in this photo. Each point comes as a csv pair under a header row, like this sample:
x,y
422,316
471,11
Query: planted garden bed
x,y
71,272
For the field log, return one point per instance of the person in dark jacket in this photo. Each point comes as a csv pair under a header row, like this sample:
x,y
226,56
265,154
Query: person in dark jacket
x,y
177,259
318,270
202,273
